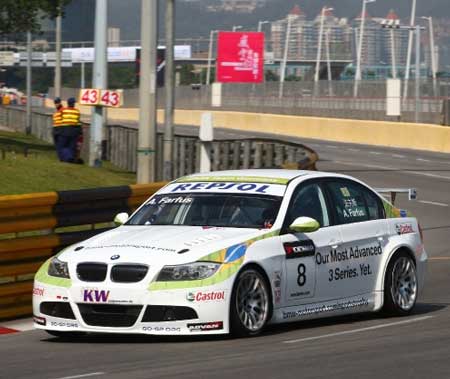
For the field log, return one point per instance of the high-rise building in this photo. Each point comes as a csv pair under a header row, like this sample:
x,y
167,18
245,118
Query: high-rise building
x,y
304,36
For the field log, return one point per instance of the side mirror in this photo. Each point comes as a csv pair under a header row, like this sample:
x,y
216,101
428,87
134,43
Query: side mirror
x,y
121,218
304,225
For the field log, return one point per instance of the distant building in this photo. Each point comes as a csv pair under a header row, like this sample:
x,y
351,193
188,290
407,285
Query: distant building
x,y
238,6
304,36
78,21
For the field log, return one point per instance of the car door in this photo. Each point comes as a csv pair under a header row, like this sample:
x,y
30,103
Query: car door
x,y
301,249
352,265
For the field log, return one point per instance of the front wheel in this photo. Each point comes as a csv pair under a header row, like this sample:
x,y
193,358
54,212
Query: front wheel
x,y
400,286
250,303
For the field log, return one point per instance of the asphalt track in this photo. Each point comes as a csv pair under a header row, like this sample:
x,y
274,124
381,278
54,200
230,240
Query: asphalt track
x,y
366,346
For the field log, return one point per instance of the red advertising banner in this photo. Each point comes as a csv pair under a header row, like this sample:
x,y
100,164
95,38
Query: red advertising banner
x,y
240,57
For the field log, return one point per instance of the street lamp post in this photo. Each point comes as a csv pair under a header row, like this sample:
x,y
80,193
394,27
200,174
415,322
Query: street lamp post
x,y
392,24
327,49
410,43
283,65
360,46
319,47
432,51
236,27
211,41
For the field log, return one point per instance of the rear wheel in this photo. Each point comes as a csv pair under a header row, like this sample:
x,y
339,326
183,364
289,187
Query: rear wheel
x,y
400,286
250,303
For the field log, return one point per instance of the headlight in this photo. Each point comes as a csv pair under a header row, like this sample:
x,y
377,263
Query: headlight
x,y
58,268
190,271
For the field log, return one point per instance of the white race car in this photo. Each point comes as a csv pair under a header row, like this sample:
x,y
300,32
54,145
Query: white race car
x,y
233,251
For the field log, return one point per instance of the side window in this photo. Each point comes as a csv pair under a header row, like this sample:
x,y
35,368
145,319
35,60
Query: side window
x,y
349,202
308,201
374,205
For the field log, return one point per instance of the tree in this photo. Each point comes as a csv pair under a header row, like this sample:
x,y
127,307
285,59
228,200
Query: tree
x,y
19,16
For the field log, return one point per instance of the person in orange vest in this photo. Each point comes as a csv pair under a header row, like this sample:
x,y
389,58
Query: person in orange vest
x,y
68,133
57,118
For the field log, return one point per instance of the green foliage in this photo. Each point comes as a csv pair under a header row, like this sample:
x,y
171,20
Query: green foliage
x,y
18,16
40,171
270,76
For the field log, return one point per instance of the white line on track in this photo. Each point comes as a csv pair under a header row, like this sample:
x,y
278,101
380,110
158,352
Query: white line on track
x,y
393,168
433,203
83,375
422,160
439,259
398,156
331,146
353,150
360,330
375,152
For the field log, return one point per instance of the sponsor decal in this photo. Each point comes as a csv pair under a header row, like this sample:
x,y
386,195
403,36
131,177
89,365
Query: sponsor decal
x,y
299,249
37,291
95,296
240,187
403,213
115,257
300,294
156,248
324,308
40,320
206,296
404,228
349,273
64,324
202,240
168,329
353,252
59,297
205,326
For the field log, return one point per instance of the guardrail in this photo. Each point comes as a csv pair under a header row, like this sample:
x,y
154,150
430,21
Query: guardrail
x,y
121,144
33,227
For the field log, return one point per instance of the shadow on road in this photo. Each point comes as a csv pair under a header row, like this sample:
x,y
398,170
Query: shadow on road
x,y
280,329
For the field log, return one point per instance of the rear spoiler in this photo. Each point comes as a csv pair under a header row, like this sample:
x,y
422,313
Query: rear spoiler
x,y
392,192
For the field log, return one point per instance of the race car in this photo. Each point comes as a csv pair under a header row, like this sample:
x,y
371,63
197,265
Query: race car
x,y
234,251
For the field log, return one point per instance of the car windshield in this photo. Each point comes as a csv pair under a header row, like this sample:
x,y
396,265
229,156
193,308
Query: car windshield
x,y
222,210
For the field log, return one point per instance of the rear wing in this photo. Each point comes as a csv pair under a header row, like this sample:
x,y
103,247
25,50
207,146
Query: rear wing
x,y
392,193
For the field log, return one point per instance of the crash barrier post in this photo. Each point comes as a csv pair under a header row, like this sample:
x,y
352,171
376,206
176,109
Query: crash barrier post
x,y
33,227
121,144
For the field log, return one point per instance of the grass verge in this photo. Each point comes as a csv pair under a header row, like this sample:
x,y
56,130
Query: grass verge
x,y
29,165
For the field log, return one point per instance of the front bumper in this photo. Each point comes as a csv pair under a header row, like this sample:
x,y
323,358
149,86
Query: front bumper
x,y
93,308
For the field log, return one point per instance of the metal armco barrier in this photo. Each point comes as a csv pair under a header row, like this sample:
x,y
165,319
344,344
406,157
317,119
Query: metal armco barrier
x,y
121,145
33,227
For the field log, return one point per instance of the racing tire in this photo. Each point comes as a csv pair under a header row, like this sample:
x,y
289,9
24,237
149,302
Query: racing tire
x,y
66,335
400,285
250,305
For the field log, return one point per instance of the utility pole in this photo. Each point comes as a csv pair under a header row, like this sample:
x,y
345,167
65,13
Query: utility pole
x,y
147,93
432,52
330,76
29,93
393,52
57,83
99,80
409,53
170,91
208,71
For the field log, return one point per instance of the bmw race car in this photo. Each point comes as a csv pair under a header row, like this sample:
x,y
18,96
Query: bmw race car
x,y
233,251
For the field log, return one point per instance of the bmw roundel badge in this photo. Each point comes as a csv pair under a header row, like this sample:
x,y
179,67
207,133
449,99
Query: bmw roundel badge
x,y
114,257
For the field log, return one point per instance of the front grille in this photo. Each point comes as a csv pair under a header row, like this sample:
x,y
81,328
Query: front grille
x,y
92,272
128,273
110,315
156,313
57,309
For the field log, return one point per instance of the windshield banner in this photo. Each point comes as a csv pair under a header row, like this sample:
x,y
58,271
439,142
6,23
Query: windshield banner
x,y
227,187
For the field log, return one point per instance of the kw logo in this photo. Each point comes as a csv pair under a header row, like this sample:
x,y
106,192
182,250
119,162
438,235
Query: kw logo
x,y
95,296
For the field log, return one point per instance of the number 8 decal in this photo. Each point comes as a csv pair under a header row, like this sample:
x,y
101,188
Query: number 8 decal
x,y
301,278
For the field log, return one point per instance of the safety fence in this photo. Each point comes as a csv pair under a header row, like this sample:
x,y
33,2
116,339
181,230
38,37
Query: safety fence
x,y
121,144
33,227
332,99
